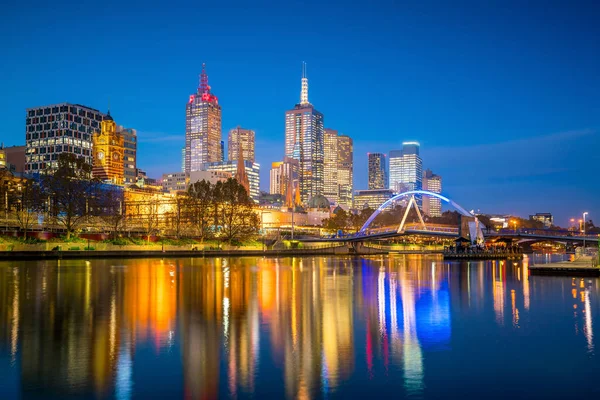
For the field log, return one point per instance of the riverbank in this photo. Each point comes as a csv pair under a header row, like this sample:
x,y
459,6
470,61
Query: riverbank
x,y
581,266
95,254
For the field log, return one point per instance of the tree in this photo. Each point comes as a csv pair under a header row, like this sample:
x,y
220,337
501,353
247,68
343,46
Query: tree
x,y
71,192
338,221
111,208
148,213
237,218
358,220
28,204
200,206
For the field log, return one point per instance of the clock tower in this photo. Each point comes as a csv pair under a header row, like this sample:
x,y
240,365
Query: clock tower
x,y
108,152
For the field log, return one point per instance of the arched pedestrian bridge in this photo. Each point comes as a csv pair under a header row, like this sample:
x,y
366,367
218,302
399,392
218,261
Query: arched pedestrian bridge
x,y
470,226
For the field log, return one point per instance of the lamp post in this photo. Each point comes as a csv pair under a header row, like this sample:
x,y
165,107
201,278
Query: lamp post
x,y
262,226
584,215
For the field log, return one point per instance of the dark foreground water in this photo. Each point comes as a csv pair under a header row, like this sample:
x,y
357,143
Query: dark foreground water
x,y
315,327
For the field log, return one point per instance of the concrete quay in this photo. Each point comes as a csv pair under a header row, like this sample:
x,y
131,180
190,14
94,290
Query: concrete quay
x,y
581,266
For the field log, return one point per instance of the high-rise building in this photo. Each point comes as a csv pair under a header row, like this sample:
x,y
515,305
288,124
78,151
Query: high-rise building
x,y
372,198
108,150
406,168
222,150
283,174
202,127
183,159
304,142
240,137
252,170
130,154
275,177
377,171
338,168
345,172
59,128
330,165
432,206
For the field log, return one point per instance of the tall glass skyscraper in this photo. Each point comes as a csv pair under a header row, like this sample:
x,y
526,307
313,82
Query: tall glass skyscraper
x,y
406,168
304,142
378,178
244,138
345,173
202,127
432,206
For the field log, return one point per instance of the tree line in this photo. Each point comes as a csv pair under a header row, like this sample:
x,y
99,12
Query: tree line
x,y
72,200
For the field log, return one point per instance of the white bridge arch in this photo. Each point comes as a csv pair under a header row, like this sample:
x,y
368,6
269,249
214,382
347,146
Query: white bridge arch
x,y
411,194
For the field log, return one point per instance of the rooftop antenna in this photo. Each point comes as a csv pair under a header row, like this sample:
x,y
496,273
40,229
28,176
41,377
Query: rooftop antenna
x,y
304,87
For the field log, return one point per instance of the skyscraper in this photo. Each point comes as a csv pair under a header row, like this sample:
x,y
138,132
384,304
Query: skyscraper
x,y
330,165
240,137
377,171
130,154
406,168
202,127
432,206
304,142
345,172
59,128
183,159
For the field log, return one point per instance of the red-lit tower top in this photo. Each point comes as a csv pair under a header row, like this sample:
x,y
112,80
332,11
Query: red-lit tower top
x,y
204,89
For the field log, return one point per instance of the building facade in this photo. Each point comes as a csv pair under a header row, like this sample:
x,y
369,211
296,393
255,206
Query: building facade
x,y
378,178
15,157
108,152
371,198
406,168
330,165
202,127
129,154
546,218
58,128
210,176
244,138
176,181
345,148
275,178
304,142
252,170
432,206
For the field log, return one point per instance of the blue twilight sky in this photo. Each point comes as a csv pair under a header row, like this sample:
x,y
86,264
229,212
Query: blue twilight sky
x,y
504,96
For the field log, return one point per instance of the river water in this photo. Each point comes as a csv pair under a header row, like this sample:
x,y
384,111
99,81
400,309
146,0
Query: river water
x,y
312,327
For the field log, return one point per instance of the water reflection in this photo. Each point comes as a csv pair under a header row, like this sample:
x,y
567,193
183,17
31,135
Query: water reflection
x,y
297,328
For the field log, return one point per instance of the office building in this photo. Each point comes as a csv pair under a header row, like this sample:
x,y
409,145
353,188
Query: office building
x,y
304,142
284,179
58,128
222,150
432,206
176,181
345,172
130,154
108,151
202,127
406,168
330,165
338,168
275,178
14,158
252,171
546,218
378,178
210,176
372,198
244,138
183,159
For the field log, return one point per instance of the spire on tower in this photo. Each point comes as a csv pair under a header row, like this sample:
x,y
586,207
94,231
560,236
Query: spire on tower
x,y
304,87
203,88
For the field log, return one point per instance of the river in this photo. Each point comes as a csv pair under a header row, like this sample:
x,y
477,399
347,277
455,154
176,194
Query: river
x,y
313,327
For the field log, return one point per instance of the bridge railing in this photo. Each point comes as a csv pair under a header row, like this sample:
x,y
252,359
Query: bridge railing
x,y
543,232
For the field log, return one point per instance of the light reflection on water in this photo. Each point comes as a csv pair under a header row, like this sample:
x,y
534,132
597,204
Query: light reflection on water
x,y
314,327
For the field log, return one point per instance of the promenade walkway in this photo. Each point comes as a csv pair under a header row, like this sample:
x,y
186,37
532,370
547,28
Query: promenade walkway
x,y
581,266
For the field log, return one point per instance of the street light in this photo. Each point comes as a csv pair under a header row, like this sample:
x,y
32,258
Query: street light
x,y
584,215
262,226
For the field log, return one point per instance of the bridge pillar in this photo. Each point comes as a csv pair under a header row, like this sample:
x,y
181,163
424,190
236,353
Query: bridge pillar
x,y
470,228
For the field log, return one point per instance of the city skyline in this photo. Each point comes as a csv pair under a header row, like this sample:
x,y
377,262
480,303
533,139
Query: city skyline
x,y
523,105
